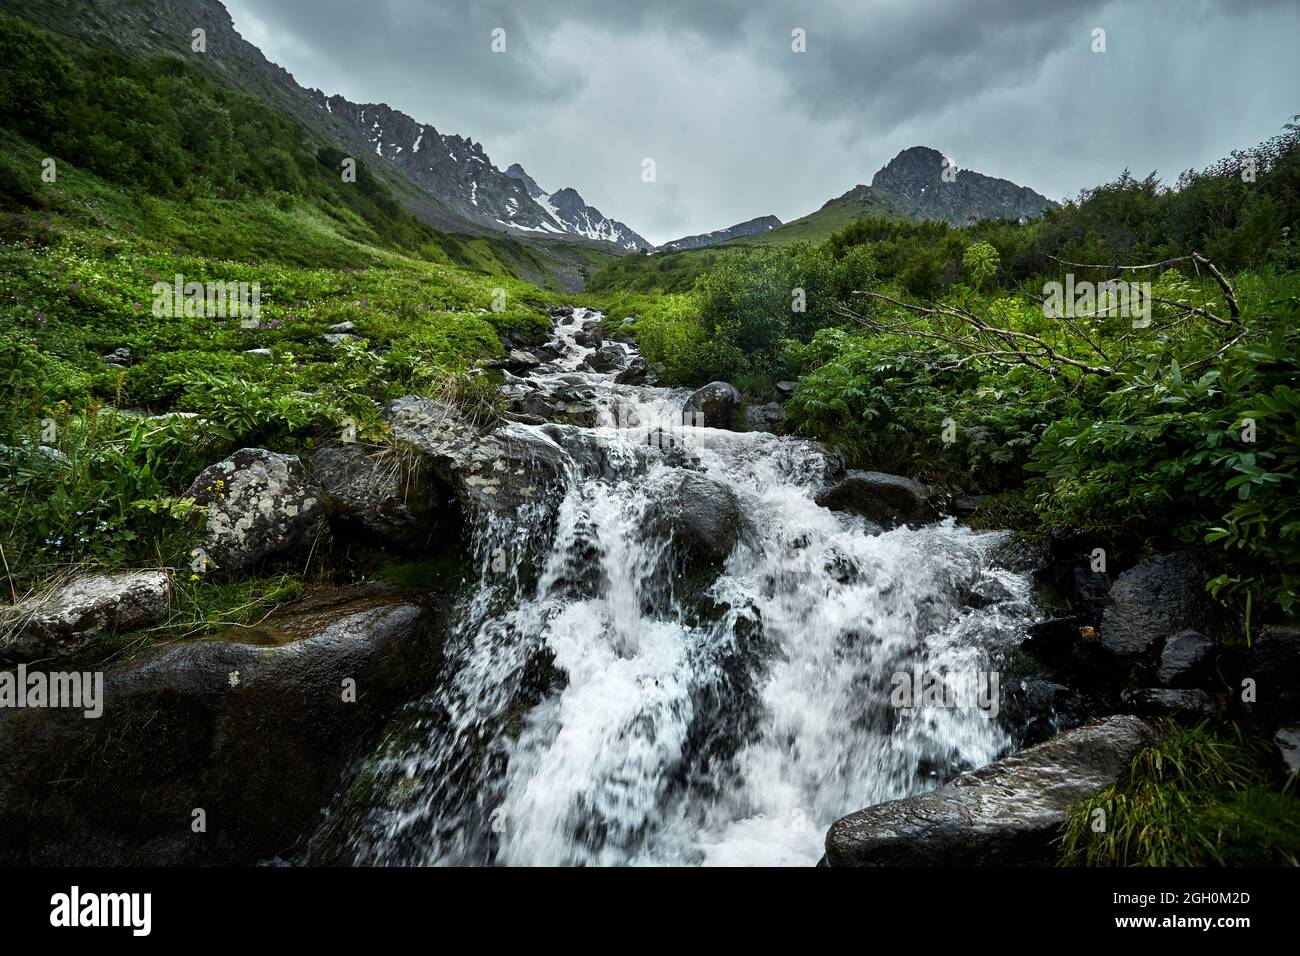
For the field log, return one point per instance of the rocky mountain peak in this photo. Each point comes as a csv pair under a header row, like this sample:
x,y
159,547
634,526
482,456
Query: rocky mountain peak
x,y
515,171
914,183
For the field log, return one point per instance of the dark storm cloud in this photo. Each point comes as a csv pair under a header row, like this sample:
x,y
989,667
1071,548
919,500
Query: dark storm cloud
x,y
739,125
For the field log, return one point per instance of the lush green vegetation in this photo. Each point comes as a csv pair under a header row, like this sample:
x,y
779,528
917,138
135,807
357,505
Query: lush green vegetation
x,y
160,172
1172,432
1199,797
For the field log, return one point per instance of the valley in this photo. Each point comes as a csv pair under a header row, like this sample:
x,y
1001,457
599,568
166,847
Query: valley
x,y
427,517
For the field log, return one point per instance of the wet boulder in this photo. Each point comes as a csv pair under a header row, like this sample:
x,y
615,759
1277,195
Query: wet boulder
x,y
607,358
260,505
381,497
1158,597
636,373
1185,659
712,406
1166,701
63,619
256,728
517,361
565,404
500,470
764,418
887,500
700,516
1070,650
1006,813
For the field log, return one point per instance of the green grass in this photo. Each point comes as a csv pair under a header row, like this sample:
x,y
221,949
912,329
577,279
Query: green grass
x,y
77,272
834,216
1198,797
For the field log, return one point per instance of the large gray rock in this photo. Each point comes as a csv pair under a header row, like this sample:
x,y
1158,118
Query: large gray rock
x,y
382,497
887,500
716,402
1006,813
700,516
260,505
257,728
1153,599
64,619
501,471
636,373
517,360
566,404
607,358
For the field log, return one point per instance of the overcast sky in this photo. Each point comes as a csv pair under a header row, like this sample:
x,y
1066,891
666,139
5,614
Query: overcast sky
x,y
740,125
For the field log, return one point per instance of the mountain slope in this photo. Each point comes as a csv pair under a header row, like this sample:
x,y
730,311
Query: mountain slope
x,y
460,173
750,227
437,194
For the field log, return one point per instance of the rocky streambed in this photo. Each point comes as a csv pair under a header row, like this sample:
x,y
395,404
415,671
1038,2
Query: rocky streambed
x,y
677,639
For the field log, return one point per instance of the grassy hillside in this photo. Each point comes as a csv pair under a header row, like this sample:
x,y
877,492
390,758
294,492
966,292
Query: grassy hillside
x,y
160,172
839,213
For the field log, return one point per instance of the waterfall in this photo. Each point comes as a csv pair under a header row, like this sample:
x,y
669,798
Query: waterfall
x,y
600,703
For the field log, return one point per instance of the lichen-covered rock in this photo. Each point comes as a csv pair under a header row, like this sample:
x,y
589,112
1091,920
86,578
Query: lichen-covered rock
x,y
1160,596
66,618
715,402
380,497
260,505
499,471
887,500
1006,813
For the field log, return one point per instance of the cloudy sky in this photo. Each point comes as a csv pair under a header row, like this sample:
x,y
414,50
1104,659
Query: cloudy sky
x,y
740,125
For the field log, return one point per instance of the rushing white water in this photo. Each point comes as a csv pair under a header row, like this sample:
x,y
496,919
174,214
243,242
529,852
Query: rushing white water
x,y
602,705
